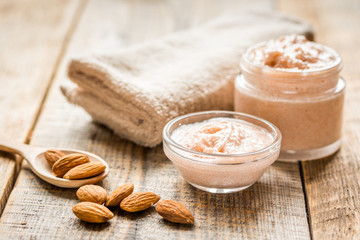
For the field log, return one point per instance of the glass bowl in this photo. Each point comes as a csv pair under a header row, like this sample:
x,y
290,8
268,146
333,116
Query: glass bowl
x,y
220,173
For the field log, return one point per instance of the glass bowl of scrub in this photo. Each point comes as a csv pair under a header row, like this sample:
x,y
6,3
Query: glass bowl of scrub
x,y
221,151
294,83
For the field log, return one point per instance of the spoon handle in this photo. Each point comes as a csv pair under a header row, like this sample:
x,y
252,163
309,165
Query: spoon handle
x,y
11,147
18,148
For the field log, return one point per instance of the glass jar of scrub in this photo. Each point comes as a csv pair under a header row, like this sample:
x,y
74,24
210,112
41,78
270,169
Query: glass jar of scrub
x,y
221,151
294,83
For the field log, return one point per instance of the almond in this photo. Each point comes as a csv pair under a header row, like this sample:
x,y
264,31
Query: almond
x,y
91,193
52,156
92,212
174,212
119,194
85,170
67,162
139,201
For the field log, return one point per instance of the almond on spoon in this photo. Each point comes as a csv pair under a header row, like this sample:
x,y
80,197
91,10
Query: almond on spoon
x,y
67,162
52,156
85,170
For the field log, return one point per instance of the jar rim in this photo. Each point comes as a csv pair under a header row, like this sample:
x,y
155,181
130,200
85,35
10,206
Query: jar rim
x,y
247,64
275,131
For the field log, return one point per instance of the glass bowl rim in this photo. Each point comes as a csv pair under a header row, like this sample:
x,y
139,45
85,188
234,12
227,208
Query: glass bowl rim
x,y
168,140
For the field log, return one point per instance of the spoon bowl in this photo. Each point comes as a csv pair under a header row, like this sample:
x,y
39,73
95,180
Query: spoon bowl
x,y
38,164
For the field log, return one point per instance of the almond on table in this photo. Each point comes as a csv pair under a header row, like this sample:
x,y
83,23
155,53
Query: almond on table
x,y
174,212
67,162
92,212
139,201
85,170
119,194
91,193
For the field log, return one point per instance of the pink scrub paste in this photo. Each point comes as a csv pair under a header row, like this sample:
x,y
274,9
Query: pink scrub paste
x,y
293,52
222,136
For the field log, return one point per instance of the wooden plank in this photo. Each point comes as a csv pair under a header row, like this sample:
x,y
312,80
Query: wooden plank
x,y
274,208
32,37
333,184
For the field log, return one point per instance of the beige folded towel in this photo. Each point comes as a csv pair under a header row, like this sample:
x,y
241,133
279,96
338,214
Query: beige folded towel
x,y
136,91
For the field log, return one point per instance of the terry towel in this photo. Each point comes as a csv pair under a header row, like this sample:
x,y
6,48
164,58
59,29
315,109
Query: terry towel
x,y
136,91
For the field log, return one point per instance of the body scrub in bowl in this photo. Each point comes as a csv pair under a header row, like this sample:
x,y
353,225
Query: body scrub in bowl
x,y
294,83
221,151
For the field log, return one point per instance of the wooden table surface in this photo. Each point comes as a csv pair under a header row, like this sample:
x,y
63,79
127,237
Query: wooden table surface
x,y
303,200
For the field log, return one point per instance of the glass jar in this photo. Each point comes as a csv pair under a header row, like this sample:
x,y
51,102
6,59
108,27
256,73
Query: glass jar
x,y
215,172
306,105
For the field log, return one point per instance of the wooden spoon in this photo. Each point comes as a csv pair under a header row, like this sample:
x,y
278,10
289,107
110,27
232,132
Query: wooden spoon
x,y
38,164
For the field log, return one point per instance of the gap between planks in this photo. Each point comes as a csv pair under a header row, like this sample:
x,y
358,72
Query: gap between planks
x,y
74,22
303,184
